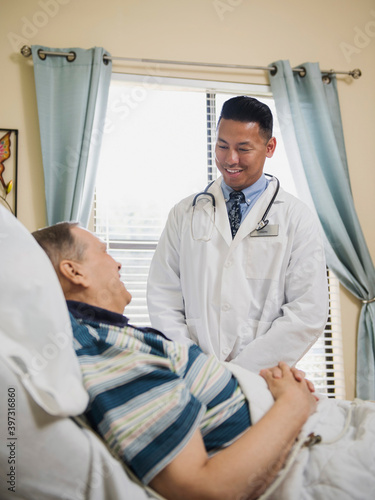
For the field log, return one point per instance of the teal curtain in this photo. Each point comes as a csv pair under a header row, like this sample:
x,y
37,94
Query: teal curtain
x,y
72,100
310,121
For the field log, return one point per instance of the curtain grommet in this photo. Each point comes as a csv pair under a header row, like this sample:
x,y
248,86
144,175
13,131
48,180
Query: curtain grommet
x,y
42,55
302,72
326,79
71,57
273,71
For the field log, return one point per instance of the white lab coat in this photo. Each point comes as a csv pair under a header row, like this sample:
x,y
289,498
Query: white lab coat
x,y
251,300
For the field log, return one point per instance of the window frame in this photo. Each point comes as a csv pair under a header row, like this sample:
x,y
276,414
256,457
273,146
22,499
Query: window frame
x,y
334,385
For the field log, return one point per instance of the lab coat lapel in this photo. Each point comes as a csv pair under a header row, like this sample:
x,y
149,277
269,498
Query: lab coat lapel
x,y
221,218
256,213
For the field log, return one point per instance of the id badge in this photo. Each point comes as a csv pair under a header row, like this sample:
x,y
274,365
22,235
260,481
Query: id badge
x,y
269,230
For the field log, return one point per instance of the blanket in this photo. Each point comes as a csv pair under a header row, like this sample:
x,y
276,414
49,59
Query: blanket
x,y
340,466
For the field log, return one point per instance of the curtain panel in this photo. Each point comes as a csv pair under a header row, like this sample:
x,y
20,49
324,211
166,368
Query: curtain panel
x,y
72,100
310,121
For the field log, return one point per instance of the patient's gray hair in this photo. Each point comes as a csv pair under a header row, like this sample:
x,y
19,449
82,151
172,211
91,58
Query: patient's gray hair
x,y
59,243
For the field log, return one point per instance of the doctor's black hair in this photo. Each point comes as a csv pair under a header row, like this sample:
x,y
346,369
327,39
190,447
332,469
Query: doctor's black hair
x,y
248,109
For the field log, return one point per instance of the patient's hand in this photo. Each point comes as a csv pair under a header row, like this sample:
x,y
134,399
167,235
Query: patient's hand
x,y
285,382
299,375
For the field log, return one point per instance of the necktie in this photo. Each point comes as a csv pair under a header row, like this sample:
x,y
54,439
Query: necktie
x,y
234,213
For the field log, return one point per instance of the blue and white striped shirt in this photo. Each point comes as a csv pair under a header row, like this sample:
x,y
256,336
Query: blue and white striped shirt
x,y
148,394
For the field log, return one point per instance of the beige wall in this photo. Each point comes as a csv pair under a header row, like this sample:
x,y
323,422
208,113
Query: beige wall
x,y
339,34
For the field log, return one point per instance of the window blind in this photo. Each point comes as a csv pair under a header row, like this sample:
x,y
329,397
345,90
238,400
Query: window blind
x,y
142,155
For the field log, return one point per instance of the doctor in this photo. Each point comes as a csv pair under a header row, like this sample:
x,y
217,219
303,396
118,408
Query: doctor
x,y
251,292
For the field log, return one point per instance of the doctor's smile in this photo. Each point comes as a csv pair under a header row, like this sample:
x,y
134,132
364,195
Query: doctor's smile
x,y
233,172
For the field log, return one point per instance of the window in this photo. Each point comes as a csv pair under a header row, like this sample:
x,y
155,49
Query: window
x,y
323,363
158,148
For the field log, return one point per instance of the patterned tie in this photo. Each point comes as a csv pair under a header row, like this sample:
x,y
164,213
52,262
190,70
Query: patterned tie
x,y
234,213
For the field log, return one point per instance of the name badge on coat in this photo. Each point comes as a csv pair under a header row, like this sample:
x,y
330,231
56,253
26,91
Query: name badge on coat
x,y
269,230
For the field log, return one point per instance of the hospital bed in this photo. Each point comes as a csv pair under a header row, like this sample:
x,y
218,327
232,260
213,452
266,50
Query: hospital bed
x,y
47,453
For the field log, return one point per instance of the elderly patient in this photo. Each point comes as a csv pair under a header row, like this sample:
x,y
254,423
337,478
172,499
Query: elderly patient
x,y
175,415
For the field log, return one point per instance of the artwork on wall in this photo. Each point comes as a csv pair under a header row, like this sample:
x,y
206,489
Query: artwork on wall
x,y
8,168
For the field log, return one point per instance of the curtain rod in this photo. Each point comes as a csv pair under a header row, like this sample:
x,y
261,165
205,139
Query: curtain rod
x,y
26,51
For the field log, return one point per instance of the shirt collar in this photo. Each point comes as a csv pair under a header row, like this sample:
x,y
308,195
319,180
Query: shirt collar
x,y
88,312
258,187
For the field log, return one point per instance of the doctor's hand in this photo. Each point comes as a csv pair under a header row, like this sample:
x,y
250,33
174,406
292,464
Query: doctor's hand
x,y
299,375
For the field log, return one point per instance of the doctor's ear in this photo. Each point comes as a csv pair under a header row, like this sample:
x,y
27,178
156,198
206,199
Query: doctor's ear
x,y
271,146
72,271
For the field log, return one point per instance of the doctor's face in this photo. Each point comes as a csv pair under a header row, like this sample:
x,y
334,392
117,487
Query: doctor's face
x,y
240,152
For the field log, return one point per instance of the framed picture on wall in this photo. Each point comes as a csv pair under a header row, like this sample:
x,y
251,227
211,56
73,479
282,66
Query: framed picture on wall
x,y
8,168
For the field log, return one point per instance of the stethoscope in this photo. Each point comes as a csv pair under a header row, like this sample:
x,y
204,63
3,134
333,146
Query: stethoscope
x,y
206,195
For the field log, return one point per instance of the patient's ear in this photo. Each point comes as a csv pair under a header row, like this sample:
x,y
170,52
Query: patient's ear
x,y
73,272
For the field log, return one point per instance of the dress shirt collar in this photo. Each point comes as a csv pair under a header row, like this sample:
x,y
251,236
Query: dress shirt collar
x,y
250,192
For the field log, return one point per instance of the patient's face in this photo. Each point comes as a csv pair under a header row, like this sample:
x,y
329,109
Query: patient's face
x,y
105,287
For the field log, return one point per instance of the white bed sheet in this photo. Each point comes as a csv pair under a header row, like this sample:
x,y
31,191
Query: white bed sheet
x,y
342,465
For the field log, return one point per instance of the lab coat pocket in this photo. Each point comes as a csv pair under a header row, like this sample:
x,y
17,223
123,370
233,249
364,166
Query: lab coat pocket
x,y
266,257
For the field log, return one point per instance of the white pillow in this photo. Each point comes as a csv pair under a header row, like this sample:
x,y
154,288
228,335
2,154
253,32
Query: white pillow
x,y
35,329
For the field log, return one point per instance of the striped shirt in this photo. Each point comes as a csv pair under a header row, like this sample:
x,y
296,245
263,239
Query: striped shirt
x,y
148,395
